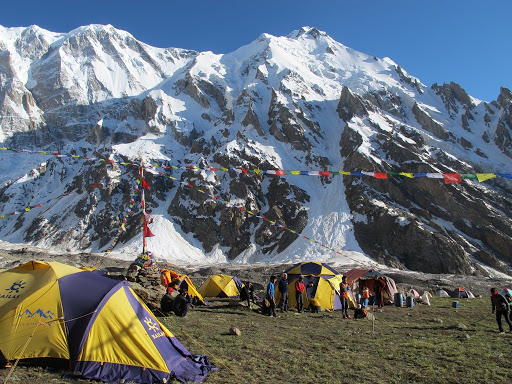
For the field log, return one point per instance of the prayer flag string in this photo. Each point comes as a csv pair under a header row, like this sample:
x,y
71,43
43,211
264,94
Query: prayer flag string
x,y
263,218
122,228
39,205
447,177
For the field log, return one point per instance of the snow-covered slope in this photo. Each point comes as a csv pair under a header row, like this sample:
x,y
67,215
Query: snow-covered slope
x,y
300,102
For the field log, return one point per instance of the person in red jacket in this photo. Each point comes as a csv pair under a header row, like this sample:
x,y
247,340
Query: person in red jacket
x,y
300,288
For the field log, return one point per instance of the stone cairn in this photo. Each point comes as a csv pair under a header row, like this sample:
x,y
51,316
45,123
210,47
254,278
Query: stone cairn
x,y
146,284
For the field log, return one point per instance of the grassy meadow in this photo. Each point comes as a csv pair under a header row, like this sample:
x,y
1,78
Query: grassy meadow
x,y
424,344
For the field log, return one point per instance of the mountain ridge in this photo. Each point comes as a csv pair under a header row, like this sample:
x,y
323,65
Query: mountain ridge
x,y
303,102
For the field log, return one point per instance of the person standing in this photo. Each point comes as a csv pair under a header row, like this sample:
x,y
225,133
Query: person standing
x,y
283,289
379,286
247,293
270,296
365,297
300,288
344,292
501,307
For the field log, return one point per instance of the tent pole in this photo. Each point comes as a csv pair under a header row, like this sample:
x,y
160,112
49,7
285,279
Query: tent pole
x,y
373,318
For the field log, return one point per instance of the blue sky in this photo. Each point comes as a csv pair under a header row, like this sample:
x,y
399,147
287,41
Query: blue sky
x,y
468,42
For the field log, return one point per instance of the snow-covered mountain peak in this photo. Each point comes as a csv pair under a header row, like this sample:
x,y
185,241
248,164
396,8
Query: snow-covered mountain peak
x,y
307,32
299,105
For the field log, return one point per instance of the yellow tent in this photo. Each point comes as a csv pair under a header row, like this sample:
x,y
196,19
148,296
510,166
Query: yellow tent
x,y
322,283
97,325
219,286
184,282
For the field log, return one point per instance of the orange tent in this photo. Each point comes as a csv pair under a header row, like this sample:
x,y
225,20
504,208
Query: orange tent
x,y
168,276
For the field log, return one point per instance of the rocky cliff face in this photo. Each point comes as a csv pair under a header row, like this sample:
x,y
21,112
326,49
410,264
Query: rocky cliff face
x,y
303,102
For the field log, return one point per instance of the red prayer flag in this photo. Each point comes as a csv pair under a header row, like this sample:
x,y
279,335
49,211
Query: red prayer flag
x,y
147,232
144,184
452,178
380,175
280,173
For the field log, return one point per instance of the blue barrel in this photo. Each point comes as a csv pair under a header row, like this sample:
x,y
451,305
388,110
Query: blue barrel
x,y
399,300
455,304
409,302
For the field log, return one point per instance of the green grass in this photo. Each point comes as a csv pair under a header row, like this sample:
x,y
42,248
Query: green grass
x,y
424,344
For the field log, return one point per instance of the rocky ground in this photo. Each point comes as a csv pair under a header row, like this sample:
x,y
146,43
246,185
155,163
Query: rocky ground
x,y
257,273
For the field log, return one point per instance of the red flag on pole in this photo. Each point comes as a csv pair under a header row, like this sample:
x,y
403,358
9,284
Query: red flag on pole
x,y
144,184
147,232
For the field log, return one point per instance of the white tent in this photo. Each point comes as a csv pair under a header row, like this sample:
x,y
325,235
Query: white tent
x,y
442,293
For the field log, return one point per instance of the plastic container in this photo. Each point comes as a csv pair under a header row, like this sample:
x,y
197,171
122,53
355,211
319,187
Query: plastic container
x,y
409,302
399,300
455,304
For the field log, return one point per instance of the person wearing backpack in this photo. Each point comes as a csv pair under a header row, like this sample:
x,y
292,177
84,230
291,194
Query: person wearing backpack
x,y
501,307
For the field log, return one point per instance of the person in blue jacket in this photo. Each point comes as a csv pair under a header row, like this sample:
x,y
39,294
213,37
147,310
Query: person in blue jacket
x,y
270,296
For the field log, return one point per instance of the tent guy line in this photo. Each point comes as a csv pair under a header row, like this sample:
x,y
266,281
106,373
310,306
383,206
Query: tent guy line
x,y
447,177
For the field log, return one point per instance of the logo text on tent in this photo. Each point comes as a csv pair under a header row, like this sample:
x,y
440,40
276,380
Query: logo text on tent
x,y
14,288
153,327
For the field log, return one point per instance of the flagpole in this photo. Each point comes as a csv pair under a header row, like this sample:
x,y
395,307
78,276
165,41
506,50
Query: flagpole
x,y
143,202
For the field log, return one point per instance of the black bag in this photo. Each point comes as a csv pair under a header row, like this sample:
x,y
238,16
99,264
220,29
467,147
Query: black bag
x,y
360,313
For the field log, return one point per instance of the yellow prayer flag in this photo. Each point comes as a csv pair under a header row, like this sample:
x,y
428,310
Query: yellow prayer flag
x,y
407,174
485,176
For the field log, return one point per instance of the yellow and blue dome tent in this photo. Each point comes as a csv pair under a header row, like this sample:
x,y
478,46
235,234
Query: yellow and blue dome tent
x,y
184,282
221,286
322,284
52,310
